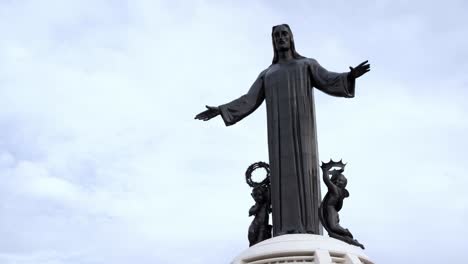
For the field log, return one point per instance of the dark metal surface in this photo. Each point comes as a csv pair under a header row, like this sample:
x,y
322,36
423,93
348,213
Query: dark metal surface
x,y
333,202
259,229
287,88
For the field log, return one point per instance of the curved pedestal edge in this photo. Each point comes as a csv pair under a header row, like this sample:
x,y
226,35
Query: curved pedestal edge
x,y
302,248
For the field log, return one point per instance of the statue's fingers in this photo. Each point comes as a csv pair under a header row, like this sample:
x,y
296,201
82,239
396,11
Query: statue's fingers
x,y
210,116
361,69
207,116
362,63
364,71
360,73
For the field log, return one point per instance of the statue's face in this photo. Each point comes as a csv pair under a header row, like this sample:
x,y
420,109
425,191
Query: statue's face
x,y
257,196
341,181
282,38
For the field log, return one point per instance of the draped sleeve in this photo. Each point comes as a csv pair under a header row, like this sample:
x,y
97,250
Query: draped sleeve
x,y
332,83
236,110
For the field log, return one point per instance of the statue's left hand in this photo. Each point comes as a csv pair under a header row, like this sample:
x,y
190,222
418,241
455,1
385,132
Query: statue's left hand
x,y
359,70
208,114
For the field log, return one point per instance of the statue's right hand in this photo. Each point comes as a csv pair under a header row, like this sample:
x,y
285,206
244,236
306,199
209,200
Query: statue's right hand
x,y
208,114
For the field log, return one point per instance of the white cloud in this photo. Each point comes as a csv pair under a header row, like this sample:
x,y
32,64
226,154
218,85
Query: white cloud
x,y
101,159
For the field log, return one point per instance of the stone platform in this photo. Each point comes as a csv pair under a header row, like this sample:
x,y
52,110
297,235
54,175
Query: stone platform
x,y
302,248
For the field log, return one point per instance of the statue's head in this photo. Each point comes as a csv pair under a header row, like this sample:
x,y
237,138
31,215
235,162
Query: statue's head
x,y
341,181
283,40
338,178
260,194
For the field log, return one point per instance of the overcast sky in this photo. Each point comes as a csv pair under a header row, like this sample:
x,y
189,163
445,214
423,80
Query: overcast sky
x,y
101,160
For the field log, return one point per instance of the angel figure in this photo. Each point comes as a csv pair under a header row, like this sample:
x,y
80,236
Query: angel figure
x,y
259,229
333,202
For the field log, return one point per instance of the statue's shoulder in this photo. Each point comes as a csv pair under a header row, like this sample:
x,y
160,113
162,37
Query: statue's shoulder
x,y
265,71
310,61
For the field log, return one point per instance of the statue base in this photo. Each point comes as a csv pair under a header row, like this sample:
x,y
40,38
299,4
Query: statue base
x,y
302,248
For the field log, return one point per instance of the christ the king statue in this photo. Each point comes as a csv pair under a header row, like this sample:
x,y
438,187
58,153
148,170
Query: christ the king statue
x,y
287,87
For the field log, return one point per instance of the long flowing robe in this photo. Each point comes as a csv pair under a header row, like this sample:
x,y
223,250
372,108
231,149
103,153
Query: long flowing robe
x,y
287,89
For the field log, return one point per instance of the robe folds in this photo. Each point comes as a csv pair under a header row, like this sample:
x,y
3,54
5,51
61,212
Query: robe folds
x,y
287,89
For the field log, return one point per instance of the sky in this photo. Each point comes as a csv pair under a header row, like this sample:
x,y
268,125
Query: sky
x,y
101,160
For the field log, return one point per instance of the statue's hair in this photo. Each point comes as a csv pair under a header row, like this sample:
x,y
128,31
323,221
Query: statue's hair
x,y
293,47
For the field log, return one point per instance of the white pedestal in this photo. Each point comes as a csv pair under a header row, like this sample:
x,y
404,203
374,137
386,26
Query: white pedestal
x,y
302,248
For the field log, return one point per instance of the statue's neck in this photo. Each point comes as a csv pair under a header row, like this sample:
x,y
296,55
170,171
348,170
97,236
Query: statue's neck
x,y
285,55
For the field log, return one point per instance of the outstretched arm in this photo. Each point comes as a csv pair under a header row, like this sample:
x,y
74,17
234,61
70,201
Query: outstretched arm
x,y
236,110
336,84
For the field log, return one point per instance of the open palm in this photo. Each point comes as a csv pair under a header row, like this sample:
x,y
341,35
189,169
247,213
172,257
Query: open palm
x,y
359,70
208,114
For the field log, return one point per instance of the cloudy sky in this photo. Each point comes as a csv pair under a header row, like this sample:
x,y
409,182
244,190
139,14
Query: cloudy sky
x,y
101,160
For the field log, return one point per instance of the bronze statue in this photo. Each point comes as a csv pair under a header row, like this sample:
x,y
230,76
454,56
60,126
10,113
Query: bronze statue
x,y
287,87
333,202
259,229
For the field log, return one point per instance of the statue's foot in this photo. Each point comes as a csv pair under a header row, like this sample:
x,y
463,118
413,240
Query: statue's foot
x,y
356,243
346,239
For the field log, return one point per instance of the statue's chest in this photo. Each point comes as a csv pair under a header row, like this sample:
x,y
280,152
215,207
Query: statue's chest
x,y
287,80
